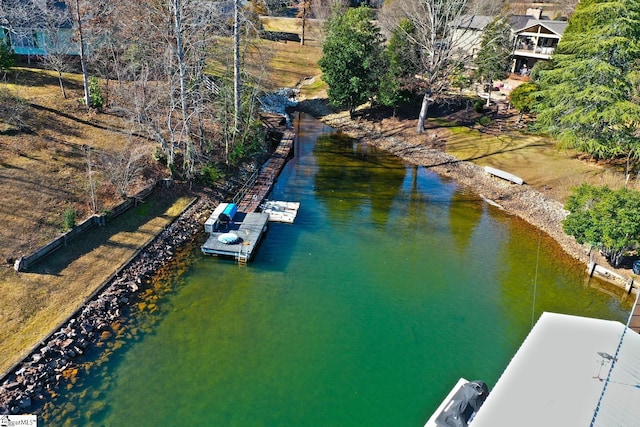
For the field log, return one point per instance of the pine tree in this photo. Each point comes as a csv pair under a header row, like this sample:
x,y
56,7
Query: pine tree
x,y
588,95
352,60
494,56
403,65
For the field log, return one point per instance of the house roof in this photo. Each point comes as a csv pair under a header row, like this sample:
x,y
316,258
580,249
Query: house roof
x,y
558,375
519,21
556,27
474,22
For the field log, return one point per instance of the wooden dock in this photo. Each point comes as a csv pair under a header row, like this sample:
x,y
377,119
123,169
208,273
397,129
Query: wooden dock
x,y
249,224
249,227
268,174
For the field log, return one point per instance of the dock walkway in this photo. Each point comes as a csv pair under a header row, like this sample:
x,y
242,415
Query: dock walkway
x,y
268,174
248,224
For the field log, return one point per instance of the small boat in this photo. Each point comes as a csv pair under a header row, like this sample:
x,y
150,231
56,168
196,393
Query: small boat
x,y
461,405
504,175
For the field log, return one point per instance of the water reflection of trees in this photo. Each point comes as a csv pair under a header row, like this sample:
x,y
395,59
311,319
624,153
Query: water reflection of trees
x,y
465,213
355,179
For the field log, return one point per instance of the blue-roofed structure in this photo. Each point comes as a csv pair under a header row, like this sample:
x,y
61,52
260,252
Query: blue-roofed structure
x,y
37,27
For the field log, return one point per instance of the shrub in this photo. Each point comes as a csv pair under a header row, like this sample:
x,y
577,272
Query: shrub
x,y
159,154
68,219
7,57
95,93
485,121
211,173
478,106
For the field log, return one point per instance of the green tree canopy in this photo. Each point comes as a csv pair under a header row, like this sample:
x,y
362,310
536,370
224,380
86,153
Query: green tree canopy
x,y
523,97
7,57
606,219
402,59
494,56
588,95
352,61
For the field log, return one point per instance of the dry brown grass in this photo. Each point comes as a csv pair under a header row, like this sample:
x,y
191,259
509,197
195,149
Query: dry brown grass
x,y
33,302
313,28
534,158
279,64
43,171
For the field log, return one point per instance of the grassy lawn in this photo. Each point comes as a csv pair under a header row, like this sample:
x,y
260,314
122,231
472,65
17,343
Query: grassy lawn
x,y
278,64
533,158
33,302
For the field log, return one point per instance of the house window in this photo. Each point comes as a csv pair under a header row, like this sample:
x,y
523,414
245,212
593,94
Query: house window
x,y
24,40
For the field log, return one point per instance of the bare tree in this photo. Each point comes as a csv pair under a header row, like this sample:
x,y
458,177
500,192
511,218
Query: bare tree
x,y
236,63
436,34
304,8
322,9
79,12
124,168
162,55
59,46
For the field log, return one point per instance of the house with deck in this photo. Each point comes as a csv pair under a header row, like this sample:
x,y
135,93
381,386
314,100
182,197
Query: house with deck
x,y
536,40
535,37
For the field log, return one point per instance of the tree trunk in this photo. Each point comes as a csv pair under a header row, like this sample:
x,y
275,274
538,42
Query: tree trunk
x,y
489,94
83,56
64,93
236,64
182,70
426,100
304,21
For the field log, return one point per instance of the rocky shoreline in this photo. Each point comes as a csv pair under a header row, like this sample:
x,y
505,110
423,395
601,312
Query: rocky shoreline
x,y
31,383
34,380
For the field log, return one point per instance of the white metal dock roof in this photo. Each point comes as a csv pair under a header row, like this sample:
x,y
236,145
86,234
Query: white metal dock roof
x,y
557,377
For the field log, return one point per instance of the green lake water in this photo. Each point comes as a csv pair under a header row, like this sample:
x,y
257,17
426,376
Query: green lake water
x,y
391,285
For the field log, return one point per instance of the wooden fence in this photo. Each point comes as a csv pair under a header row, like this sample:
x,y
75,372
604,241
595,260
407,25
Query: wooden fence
x,y
24,262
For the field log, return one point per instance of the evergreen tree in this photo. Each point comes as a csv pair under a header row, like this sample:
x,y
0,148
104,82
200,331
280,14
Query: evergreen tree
x,y
402,59
352,61
7,57
606,219
523,97
494,57
588,96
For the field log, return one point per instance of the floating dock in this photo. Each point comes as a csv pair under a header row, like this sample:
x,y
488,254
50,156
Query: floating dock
x,y
281,211
248,227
